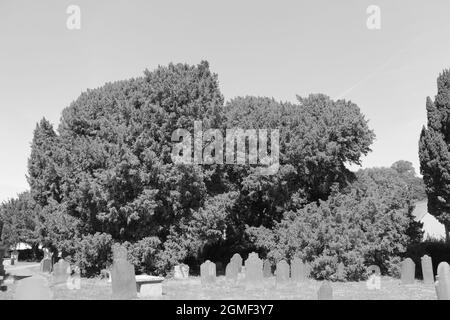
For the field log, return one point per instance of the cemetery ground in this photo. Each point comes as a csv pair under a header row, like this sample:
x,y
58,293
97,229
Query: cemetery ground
x,y
223,289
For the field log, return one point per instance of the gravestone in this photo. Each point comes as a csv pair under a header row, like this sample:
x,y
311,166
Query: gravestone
x,y
325,291
374,278
47,262
442,284
74,280
2,255
14,257
298,271
253,272
123,280
33,288
340,271
181,271
267,268
308,270
408,271
282,272
208,272
237,259
61,272
46,265
232,271
427,270
374,269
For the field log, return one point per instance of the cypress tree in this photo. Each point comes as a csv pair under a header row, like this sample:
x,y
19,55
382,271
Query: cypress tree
x,y
434,153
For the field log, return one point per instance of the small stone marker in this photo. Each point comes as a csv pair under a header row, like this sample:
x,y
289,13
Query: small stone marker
x,y
61,272
282,272
267,268
298,271
253,272
237,259
74,280
325,291
46,265
208,272
149,286
442,285
340,272
408,271
181,271
308,270
374,269
427,270
374,280
2,268
231,271
123,280
33,288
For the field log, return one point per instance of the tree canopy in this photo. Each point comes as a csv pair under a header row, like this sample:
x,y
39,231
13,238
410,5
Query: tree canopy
x,y
434,152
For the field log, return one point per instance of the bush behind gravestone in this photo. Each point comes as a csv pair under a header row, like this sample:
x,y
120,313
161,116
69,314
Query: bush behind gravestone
x,y
92,253
143,254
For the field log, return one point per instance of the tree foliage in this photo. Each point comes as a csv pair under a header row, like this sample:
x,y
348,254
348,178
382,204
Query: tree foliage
x,y
369,222
434,152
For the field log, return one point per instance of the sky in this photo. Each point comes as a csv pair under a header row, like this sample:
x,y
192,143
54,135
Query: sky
x,y
272,48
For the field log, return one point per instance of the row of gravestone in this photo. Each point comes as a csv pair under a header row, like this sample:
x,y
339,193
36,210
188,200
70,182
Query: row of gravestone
x,y
442,284
256,269
122,273
408,270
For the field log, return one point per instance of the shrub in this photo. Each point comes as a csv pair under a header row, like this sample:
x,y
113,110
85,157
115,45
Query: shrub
x,y
142,254
370,223
92,253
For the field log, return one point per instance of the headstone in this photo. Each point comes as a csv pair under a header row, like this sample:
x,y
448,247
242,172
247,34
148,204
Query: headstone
x,y
298,271
33,288
231,271
442,284
208,272
237,259
74,280
325,291
374,278
2,254
374,282
14,257
427,270
282,272
308,270
253,272
61,272
340,271
181,271
46,265
122,276
267,268
408,271
374,269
